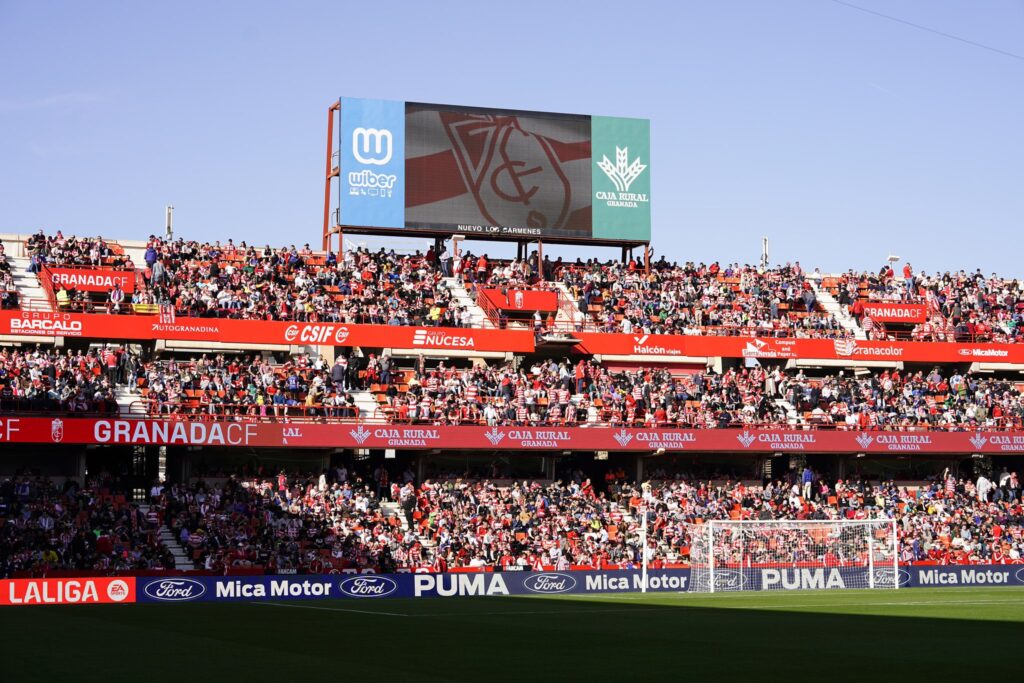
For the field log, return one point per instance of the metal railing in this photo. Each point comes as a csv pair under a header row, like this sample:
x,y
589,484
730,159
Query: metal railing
x,y
25,406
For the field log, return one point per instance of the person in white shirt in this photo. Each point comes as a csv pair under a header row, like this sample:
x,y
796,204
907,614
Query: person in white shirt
x,y
984,487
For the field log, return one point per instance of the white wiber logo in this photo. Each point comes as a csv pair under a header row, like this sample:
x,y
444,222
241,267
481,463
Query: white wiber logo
x,y
381,151
622,173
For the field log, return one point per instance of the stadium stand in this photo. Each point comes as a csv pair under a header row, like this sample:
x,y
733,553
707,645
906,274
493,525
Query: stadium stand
x,y
47,528
546,392
338,520
434,509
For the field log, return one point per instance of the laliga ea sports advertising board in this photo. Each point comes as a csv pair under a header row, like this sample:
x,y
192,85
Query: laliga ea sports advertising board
x,y
502,173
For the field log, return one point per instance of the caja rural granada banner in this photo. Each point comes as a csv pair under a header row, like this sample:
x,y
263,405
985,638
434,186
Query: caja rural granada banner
x,y
200,432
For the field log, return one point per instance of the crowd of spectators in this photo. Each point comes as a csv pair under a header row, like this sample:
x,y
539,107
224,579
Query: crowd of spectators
x,y
562,393
698,299
383,287
899,400
47,380
8,290
252,386
337,521
546,392
58,250
961,306
46,527
243,281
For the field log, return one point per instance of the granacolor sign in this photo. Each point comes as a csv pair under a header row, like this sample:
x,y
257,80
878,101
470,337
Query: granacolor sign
x,y
713,346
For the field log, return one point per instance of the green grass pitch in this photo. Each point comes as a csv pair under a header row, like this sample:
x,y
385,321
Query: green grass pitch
x,y
918,634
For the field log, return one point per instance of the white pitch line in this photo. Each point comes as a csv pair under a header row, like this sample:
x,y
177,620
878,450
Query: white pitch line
x,y
782,606
471,613
331,609
549,612
883,604
778,607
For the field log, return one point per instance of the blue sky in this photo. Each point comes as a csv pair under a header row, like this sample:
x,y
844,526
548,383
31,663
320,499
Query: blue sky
x,y
840,135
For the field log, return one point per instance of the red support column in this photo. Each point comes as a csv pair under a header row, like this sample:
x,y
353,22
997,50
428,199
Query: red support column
x,y
329,174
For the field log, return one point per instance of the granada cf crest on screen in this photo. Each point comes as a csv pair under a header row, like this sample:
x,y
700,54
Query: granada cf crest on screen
x,y
502,173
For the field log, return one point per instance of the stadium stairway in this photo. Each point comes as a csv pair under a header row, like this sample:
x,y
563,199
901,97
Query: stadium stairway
x,y
125,398
462,298
182,559
366,402
574,316
27,284
135,250
831,306
791,415
393,509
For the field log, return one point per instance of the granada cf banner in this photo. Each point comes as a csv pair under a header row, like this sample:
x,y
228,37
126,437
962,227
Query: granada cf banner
x,y
252,432
90,279
897,313
493,172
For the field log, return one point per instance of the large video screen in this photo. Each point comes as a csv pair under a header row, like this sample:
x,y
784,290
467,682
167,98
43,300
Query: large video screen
x,y
488,172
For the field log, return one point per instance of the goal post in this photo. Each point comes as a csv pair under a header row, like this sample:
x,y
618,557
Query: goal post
x,y
738,555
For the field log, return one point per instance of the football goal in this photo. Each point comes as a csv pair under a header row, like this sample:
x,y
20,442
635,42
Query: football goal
x,y
734,555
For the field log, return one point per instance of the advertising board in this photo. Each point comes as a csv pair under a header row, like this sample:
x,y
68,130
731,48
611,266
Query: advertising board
x,y
493,172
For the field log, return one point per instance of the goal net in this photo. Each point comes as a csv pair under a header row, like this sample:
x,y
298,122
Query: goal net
x,y
732,555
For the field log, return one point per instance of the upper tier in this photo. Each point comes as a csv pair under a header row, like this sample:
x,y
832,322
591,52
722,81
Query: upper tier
x,y
57,286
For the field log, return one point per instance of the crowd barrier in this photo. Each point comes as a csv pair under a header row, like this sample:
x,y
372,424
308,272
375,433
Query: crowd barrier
x,y
179,589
